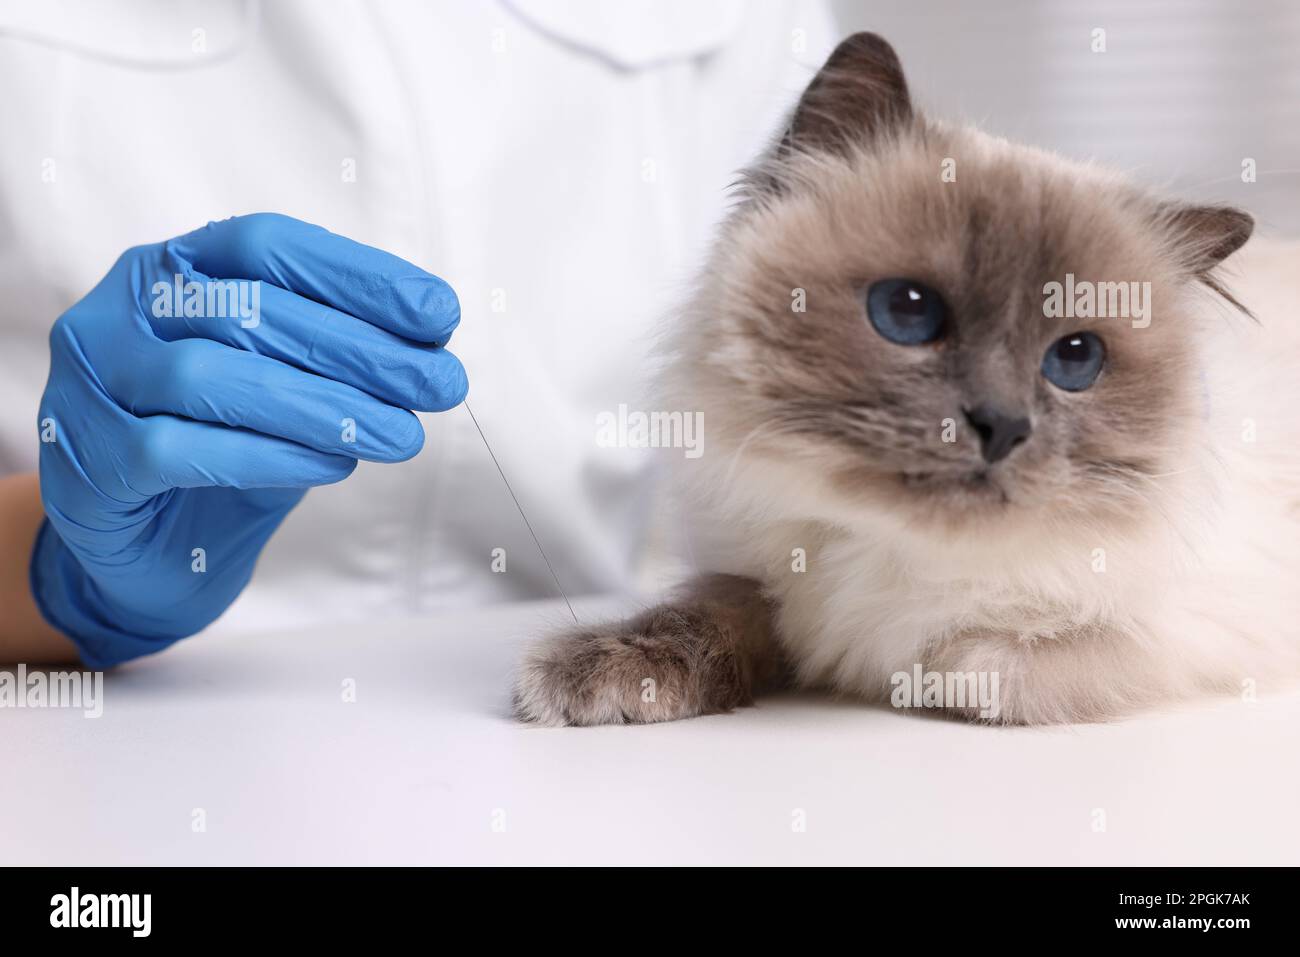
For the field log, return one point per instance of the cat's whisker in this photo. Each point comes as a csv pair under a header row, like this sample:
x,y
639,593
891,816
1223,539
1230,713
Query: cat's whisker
x,y
775,425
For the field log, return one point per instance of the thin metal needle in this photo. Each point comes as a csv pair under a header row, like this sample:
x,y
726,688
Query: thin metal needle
x,y
527,524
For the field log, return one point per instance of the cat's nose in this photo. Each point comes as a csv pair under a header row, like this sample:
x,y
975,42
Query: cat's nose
x,y
999,431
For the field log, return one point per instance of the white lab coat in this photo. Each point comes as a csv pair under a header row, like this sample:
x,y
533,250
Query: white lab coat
x,y
559,162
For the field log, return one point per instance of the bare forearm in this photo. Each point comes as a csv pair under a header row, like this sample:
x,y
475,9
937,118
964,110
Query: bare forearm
x,y
24,634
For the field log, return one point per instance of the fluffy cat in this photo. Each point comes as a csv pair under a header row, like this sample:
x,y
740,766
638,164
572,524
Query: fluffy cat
x,y
929,466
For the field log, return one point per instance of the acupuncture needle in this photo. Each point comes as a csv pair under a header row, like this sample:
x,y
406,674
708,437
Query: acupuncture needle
x,y
527,524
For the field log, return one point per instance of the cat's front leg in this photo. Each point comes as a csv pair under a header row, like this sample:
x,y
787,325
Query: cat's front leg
x,y
707,651
1064,673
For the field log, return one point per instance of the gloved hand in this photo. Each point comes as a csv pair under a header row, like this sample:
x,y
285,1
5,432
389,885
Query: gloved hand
x,y
181,423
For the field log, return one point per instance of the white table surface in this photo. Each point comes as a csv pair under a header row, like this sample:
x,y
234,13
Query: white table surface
x,y
253,730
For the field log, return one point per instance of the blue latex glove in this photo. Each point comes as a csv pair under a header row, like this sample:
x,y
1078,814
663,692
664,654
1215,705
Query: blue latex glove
x,y
173,445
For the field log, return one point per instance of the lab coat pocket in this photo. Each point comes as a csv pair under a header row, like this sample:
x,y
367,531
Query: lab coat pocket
x,y
633,34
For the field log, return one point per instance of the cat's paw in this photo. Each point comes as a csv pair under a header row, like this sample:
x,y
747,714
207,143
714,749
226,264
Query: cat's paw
x,y
663,665
1073,674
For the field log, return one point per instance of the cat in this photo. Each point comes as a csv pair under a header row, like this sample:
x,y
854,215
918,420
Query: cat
x,y
942,464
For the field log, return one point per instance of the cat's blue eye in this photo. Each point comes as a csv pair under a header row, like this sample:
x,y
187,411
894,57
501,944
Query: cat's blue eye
x,y
906,312
1073,362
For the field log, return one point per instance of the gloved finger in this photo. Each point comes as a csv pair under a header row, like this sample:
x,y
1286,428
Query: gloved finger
x,y
165,452
211,382
360,280
322,340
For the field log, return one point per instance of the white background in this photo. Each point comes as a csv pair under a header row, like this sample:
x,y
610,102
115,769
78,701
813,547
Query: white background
x,y
1184,91
253,730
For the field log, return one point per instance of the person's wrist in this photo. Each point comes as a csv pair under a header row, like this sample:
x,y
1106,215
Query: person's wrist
x,y
72,603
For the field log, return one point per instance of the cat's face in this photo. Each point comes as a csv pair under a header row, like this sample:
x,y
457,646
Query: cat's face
x,y
882,309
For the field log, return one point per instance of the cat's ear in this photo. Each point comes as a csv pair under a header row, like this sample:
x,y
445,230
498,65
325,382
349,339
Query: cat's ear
x,y
1204,236
859,94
